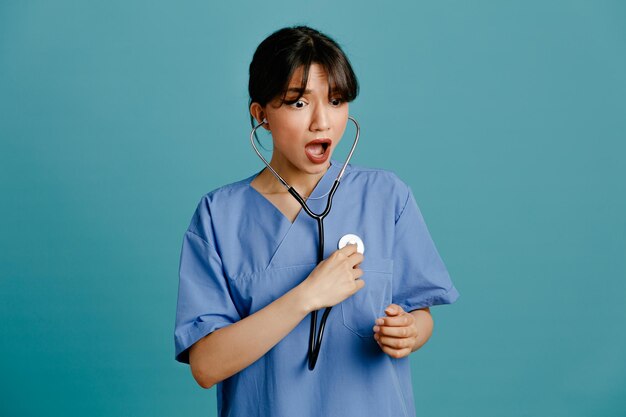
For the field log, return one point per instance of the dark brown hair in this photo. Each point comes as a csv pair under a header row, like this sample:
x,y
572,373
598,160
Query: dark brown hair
x,y
284,51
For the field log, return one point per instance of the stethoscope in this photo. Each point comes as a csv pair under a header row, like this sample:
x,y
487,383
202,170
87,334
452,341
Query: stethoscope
x,y
316,342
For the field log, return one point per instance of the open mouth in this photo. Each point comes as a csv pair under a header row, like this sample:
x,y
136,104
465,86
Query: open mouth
x,y
318,149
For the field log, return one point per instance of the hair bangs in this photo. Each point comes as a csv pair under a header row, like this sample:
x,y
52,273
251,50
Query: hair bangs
x,y
303,61
342,82
341,79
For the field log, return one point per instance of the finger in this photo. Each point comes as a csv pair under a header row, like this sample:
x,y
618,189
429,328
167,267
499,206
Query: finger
x,y
395,342
359,284
398,321
357,273
348,250
393,310
355,259
409,331
395,353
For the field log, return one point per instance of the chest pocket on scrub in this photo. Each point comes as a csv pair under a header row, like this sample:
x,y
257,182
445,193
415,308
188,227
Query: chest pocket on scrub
x,y
360,311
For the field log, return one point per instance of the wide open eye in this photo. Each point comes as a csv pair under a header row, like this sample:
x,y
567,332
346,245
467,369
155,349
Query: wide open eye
x,y
298,104
336,101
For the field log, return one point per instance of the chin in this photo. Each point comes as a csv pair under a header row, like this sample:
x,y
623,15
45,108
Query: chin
x,y
311,168
307,167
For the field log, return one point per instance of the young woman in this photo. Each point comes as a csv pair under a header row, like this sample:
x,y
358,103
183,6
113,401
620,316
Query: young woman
x,y
249,277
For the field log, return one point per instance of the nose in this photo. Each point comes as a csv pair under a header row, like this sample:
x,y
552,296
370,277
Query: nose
x,y
320,119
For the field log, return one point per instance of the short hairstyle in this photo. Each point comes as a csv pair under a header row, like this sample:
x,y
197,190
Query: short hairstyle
x,y
284,51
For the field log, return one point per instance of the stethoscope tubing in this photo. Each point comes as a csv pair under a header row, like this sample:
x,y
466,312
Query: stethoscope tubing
x,y
315,338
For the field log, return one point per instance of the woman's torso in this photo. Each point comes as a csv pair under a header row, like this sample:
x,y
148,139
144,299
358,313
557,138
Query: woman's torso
x,y
264,254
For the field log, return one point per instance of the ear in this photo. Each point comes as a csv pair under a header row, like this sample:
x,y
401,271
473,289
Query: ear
x,y
258,113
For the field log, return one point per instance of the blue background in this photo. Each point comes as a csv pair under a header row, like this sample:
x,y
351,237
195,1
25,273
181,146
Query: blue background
x,y
507,119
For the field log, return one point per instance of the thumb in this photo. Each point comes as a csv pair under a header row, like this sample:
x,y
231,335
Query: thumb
x,y
393,310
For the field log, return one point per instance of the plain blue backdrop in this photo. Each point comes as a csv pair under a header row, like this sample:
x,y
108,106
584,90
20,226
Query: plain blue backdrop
x,y
507,119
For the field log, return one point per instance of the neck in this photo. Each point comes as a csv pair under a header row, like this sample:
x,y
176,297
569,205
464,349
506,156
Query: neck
x,y
303,182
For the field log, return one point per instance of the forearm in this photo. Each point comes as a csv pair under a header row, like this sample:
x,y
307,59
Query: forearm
x,y
424,325
228,350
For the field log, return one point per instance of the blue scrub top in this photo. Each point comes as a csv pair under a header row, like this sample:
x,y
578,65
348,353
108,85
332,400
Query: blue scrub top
x,y
240,253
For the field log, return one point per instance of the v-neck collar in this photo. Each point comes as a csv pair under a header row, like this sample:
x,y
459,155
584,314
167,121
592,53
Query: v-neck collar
x,y
321,188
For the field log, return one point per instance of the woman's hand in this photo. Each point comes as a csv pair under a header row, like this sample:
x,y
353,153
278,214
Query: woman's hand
x,y
335,278
397,334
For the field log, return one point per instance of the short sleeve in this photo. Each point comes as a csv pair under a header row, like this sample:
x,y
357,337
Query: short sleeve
x,y
204,300
420,276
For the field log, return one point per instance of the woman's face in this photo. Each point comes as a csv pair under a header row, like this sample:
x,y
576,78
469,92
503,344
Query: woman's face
x,y
306,132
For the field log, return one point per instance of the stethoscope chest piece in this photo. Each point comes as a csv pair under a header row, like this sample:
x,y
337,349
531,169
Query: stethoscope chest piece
x,y
350,238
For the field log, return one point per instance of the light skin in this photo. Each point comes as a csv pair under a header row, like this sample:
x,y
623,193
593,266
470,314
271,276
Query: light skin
x,y
314,116
228,350
400,333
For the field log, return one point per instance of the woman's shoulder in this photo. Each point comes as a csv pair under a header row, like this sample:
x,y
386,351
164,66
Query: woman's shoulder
x,y
377,178
223,200
378,185
371,171
229,192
